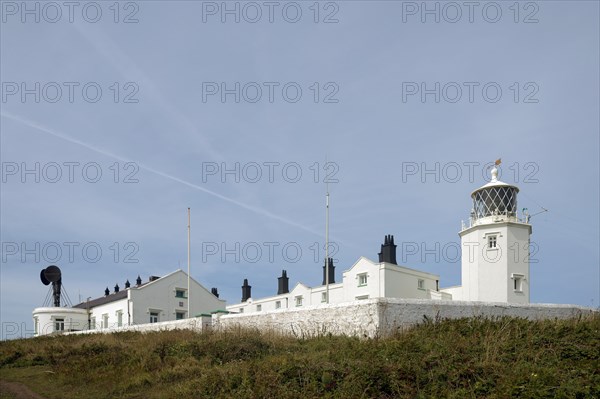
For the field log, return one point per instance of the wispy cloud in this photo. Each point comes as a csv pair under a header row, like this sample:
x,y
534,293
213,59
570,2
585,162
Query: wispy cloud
x,y
131,70
62,136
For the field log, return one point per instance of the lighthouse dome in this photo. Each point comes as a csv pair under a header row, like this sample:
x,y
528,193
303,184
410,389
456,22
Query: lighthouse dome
x,y
495,199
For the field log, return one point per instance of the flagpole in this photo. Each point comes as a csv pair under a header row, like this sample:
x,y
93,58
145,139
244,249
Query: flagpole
x,y
188,265
327,245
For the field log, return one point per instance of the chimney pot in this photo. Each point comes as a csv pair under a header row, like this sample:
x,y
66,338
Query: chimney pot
x,y
246,291
283,283
331,272
388,250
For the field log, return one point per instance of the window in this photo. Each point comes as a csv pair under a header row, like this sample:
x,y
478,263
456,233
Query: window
x,y
492,242
362,279
180,304
241,310
179,293
298,301
104,321
93,323
278,305
421,284
323,297
258,308
517,282
153,317
35,325
119,318
59,324
179,315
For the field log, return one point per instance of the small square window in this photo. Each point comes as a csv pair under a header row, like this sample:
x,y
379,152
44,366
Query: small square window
x,y
258,308
362,279
278,305
323,297
421,284
241,310
518,283
298,301
492,242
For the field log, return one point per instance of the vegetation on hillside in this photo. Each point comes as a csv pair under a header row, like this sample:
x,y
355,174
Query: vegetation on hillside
x,y
466,358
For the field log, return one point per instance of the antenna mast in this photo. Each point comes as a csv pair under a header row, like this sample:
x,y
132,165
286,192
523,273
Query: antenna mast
x,y
188,265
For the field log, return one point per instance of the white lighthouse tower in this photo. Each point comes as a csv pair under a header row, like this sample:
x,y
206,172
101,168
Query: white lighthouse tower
x,y
495,247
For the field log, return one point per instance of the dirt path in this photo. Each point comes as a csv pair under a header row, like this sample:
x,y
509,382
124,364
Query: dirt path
x,y
17,390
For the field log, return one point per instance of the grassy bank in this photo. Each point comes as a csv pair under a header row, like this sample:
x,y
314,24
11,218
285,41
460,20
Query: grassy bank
x,y
451,359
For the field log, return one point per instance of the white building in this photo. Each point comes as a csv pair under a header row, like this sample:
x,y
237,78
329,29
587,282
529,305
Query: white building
x,y
494,264
159,299
363,280
494,268
495,247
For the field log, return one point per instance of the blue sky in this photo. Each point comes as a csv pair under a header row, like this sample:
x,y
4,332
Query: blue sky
x,y
161,122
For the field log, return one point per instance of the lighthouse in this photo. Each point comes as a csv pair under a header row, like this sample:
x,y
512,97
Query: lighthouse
x,y
495,246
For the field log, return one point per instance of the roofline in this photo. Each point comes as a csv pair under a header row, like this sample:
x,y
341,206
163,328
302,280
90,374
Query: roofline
x,y
385,264
84,305
501,223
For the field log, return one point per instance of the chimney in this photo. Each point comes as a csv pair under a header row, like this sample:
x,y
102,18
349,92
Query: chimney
x,y
388,250
214,291
331,272
246,291
106,292
116,288
138,281
283,283
127,284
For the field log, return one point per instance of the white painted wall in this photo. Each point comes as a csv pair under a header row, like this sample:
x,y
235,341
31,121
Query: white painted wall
x,y
384,316
364,318
402,282
159,295
455,292
110,310
487,273
310,296
350,279
197,324
383,280
44,319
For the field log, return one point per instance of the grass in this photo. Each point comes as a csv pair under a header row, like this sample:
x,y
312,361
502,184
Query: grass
x,y
467,358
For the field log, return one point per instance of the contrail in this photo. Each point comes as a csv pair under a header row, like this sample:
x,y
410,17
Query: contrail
x,y
129,69
251,208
